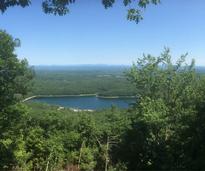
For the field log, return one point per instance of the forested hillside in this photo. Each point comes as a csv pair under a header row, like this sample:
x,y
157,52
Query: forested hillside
x,y
103,80
75,80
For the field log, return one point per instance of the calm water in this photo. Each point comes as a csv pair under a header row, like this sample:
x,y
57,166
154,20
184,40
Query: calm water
x,y
88,102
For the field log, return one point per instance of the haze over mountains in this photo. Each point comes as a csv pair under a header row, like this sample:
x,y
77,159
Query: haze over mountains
x,y
81,67
92,67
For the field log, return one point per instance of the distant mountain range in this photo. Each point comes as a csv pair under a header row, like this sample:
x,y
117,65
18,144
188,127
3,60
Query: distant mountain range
x,y
87,67
80,67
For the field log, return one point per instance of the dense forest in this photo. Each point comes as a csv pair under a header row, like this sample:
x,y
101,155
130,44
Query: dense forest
x,y
164,130
103,80
74,80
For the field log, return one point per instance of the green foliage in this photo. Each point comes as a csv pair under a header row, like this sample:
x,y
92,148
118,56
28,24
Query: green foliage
x,y
58,7
12,145
134,13
14,73
21,155
61,7
46,149
163,119
73,139
85,158
14,84
157,77
9,3
104,82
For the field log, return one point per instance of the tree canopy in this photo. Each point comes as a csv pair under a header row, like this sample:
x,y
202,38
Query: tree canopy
x,y
61,7
166,116
14,73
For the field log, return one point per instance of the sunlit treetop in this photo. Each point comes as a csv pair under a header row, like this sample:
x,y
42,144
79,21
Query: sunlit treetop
x,y
61,7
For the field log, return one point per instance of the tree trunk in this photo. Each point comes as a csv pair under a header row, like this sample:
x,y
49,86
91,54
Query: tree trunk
x,y
47,165
107,155
79,159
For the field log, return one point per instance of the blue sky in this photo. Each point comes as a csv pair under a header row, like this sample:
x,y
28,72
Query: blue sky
x,y
92,35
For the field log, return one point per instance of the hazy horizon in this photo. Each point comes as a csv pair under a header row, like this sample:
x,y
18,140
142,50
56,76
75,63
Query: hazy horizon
x,y
109,65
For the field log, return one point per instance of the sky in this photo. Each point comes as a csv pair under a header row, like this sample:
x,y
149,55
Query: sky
x,y
89,34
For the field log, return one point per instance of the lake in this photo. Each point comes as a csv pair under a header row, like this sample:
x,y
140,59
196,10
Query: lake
x,y
85,102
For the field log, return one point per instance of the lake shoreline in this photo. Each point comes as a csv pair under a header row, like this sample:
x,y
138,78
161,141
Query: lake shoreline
x,y
79,95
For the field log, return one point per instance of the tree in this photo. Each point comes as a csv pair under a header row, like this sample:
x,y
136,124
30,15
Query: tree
x,y
14,84
60,7
15,74
162,119
159,78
